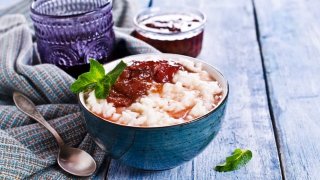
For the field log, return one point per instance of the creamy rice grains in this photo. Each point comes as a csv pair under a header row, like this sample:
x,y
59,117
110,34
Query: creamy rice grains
x,y
191,94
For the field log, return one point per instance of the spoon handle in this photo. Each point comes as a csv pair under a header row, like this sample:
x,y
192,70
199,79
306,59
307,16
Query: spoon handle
x,y
25,105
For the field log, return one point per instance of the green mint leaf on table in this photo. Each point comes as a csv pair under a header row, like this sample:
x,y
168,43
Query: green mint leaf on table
x,y
239,158
97,80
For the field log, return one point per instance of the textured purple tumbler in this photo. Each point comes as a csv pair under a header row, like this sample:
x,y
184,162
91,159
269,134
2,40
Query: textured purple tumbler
x,y
70,32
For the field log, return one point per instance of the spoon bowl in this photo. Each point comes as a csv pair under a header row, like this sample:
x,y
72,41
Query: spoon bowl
x,y
76,160
73,160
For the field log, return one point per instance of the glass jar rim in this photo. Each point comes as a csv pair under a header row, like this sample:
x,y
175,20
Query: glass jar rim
x,y
155,11
34,12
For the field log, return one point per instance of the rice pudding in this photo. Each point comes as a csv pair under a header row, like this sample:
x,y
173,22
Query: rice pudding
x,y
158,93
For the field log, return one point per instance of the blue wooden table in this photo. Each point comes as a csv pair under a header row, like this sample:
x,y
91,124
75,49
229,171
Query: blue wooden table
x,y
269,50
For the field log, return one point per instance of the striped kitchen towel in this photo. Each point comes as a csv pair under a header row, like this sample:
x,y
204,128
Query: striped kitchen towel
x,y
27,149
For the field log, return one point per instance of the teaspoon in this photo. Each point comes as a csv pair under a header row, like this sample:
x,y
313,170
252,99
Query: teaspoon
x,y
73,160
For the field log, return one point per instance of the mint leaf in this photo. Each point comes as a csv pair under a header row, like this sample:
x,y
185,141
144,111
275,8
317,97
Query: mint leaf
x,y
89,79
96,69
83,82
97,80
102,88
239,158
116,72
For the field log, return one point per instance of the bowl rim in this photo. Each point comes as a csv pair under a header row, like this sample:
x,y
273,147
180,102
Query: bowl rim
x,y
36,13
223,101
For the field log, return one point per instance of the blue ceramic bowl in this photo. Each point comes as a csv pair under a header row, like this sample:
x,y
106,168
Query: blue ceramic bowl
x,y
157,148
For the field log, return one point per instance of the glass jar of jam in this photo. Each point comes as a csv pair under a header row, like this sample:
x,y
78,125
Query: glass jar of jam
x,y
171,31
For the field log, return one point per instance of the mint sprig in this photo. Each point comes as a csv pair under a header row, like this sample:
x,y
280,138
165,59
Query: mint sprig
x,y
239,158
96,79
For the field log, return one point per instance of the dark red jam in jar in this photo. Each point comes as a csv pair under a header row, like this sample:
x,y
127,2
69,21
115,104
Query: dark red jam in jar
x,y
171,31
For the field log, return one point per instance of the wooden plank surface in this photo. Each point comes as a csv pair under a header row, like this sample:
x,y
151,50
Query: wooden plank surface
x,y
6,4
230,44
290,40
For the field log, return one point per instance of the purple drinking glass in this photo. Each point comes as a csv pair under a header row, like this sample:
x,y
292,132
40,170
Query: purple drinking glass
x,y
70,32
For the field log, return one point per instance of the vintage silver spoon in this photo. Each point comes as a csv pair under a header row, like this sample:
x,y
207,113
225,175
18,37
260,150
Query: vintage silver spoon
x,y
73,160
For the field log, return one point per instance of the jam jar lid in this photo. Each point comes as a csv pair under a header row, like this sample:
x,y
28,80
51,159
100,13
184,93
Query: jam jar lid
x,y
169,23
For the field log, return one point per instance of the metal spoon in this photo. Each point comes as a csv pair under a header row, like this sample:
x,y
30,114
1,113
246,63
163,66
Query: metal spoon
x,y
73,160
